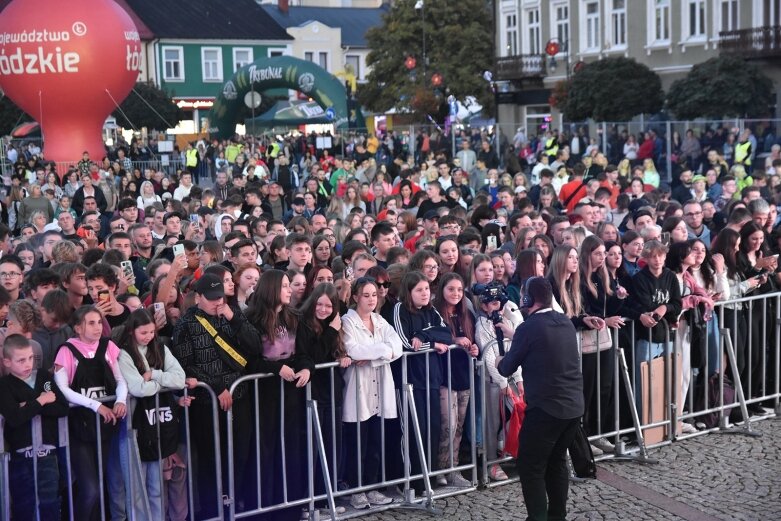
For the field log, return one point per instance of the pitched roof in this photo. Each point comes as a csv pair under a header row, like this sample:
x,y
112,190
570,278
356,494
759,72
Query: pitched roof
x,y
354,21
207,20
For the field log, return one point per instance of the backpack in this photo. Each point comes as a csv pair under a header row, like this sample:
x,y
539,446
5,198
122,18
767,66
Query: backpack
x,y
580,453
147,419
93,379
714,399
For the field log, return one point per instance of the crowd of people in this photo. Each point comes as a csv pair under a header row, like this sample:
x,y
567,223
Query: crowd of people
x,y
269,256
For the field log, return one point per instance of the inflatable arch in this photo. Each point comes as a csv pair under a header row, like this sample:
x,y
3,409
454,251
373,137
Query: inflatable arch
x,y
278,72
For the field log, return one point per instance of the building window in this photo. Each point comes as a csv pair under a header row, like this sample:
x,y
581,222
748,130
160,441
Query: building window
x,y
533,30
173,63
590,39
511,32
309,56
211,63
322,60
694,18
726,16
273,53
353,63
561,27
770,13
660,19
242,56
618,22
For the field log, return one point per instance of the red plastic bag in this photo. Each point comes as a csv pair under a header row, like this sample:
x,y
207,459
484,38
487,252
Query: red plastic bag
x,y
512,431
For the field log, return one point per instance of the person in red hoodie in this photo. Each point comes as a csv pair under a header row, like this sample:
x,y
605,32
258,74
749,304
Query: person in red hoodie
x,y
572,192
429,233
646,150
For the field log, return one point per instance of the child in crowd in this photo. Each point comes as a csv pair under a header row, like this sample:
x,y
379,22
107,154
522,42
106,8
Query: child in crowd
x,y
27,392
86,370
150,369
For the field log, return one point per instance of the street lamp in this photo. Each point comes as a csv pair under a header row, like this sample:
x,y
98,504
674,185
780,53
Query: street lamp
x,y
421,6
554,47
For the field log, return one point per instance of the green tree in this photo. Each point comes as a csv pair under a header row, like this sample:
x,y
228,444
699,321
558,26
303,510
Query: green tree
x,y
10,116
613,89
136,109
725,86
459,47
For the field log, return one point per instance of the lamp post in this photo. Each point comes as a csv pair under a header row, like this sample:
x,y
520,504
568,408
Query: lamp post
x,y
421,6
554,47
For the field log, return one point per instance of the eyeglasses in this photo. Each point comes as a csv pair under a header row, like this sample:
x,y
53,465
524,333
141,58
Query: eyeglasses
x,y
9,275
384,285
692,214
431,267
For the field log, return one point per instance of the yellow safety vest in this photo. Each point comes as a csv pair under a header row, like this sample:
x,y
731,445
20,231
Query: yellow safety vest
x,y
743,153
192,157
551,147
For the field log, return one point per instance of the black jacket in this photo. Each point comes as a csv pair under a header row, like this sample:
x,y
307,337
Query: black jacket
x,y
648,293
318,349
202,358
427,325
546,347
18,418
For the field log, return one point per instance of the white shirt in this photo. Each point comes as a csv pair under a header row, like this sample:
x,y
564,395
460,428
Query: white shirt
x,y
377,395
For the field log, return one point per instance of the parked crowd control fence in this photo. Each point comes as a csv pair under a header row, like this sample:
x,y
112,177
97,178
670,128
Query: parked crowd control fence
x,y
309,451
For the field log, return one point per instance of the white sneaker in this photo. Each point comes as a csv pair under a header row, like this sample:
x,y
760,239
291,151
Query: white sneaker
x,y
688,428
603,444
457,480
327,511
359,501
442,480
496,473
596,451
378,498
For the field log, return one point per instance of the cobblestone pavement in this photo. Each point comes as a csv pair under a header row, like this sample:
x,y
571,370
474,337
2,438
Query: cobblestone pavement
x,y
709,477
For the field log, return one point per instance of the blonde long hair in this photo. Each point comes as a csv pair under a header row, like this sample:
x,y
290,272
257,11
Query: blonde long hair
x,y
591,243
568,288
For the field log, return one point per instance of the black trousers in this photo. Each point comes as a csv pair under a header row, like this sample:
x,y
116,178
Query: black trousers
x,y
542,464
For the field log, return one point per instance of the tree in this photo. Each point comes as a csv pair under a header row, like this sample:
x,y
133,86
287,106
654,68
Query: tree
x,y
459,47
140,114
613,89
725,86
11,116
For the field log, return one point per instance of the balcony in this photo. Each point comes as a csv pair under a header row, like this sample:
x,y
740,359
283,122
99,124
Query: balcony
x,y
519,67
757,42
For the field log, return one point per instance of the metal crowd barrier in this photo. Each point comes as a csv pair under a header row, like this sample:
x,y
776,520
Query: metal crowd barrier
x,y
315,481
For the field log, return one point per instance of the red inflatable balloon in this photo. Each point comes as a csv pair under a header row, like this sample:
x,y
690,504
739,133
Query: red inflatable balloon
x,y
66,63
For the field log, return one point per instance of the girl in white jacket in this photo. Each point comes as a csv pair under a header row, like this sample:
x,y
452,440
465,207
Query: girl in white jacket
x,y
498,387
369,396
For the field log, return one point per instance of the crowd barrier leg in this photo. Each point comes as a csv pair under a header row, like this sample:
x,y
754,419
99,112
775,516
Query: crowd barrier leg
x,y
64,446
777,358
221,500
315,424
429,502
5,507
620,452
732,360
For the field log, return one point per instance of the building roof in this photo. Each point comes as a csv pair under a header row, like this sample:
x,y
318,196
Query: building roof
x,y
353,21
207,20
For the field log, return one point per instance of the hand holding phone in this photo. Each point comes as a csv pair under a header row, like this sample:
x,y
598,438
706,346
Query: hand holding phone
x,y
178,249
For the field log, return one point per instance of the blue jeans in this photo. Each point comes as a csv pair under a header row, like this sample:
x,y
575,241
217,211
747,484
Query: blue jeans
x,y
21,483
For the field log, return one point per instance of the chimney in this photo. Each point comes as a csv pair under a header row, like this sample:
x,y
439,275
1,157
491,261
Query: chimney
x,y
283,5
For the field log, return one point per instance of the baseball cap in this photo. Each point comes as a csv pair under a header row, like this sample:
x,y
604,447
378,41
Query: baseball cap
x,y
210,287
431,215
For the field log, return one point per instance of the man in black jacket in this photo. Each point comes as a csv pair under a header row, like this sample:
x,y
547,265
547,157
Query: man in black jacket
x,y
546,348
215,343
